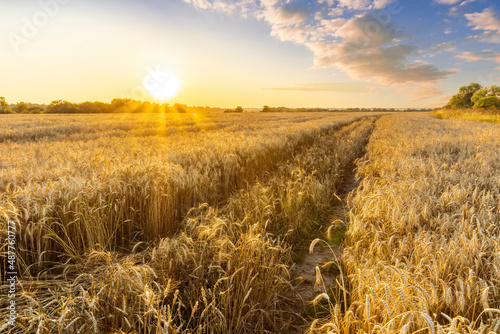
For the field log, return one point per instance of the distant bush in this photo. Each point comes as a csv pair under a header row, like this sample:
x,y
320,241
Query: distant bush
x,y
21,108
180,108
62,107
116,106
36,109
488,102
94,107
285,109
4,106
238,109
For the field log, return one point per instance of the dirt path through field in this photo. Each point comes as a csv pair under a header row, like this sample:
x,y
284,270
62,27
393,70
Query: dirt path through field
x,y
305,272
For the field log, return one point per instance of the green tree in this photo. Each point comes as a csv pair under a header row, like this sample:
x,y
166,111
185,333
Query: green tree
x,y
463,98
4,106
21,108
62,107
238,109
495,90
485,97
94,107
266,109
487,102
36,109
180,108
120,105
479,95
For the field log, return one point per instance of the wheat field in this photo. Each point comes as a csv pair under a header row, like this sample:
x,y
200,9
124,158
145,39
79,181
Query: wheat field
x,y
111,234
185,223
422,249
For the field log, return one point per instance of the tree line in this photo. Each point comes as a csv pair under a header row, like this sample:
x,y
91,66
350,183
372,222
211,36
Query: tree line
x,y
475,96
116,106
134,106
285,109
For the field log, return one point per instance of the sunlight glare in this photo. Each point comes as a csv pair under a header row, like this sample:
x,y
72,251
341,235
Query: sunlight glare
x,y
162,85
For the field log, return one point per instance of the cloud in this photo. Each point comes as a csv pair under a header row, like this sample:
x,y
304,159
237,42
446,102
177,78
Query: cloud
x,y
447,2
331,26
289,34
482,55
444,47
366,46
345,87
439,102
469,56
421,93
336,12
366,50
225,6
454,9
487,22
387,65
286,16
461,9
364,4
466,2
287,23
484,21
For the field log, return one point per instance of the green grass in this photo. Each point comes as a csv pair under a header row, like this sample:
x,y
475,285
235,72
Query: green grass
x,y
336,236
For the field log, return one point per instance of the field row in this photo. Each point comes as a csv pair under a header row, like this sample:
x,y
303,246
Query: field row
x,y
423,244
225,268
127,245
73,196
24,128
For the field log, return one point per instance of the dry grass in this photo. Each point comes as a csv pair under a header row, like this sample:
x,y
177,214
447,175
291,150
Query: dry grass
x,y
114,235
422,251
478,115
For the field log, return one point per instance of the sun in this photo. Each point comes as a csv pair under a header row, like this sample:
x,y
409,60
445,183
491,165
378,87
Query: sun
x,y
162,85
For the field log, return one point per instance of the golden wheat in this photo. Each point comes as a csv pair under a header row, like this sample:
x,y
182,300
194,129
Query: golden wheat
x,y
423,239
114,235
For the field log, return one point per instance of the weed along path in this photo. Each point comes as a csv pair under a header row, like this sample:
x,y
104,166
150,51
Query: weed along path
x,y
318,259
320,254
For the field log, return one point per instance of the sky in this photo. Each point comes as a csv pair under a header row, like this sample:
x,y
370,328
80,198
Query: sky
x,y
295,53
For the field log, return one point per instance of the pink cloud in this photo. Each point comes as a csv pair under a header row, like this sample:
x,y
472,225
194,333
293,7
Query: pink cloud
x,y
366,46
469,56
447,2
486,21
